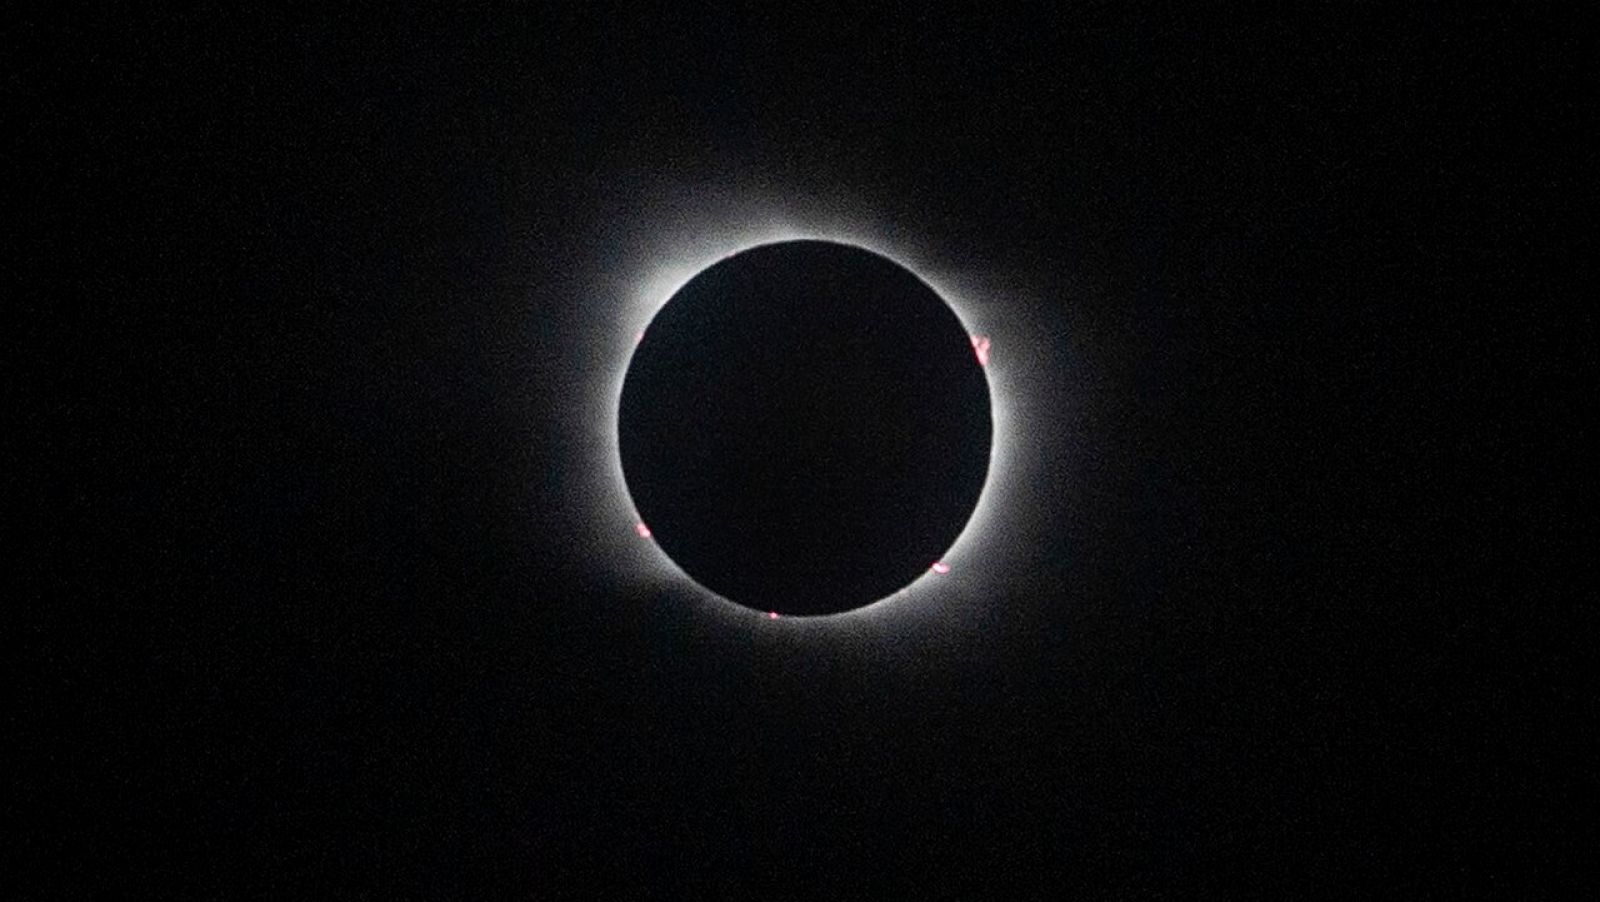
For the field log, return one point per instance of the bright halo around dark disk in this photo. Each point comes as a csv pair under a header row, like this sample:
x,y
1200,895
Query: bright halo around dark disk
x,y
805,428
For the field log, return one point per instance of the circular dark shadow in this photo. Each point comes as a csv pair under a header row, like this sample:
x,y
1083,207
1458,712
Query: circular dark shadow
x,y
805,427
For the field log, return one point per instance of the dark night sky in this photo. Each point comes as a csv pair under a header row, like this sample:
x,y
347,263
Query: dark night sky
x,y
306,609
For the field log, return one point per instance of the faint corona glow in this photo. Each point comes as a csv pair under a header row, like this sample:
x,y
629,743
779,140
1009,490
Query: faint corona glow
x,y
980,345
671,262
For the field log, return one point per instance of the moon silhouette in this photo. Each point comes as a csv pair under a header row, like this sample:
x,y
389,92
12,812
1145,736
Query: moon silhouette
x,y
805,428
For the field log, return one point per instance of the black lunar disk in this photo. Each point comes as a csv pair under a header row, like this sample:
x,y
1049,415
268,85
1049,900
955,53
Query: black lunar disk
x,y
805,427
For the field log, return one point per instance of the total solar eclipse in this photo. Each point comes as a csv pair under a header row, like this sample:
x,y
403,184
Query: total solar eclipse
x,y
805,427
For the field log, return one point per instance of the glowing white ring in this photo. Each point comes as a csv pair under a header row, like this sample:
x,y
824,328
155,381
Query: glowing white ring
x,y
976,554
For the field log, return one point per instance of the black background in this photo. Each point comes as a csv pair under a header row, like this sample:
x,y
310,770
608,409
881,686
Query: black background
x,y
304,609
